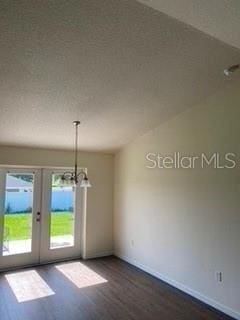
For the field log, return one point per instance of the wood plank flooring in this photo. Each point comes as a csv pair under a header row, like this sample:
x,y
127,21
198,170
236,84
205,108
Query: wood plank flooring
x,y
99,289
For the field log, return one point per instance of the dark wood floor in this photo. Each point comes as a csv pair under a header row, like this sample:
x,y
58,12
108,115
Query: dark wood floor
x,y
105,288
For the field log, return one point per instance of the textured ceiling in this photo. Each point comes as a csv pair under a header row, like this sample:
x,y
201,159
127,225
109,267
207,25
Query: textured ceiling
x,y
218,18
120,67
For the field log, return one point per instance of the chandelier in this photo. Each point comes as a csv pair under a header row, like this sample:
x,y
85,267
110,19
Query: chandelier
x,y
75,177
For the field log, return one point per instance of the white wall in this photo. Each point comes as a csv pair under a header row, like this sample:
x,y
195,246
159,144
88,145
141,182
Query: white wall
x,y
99,198
184,224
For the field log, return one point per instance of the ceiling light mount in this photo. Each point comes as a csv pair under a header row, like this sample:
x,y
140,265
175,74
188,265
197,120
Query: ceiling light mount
x,y
231,69
76,122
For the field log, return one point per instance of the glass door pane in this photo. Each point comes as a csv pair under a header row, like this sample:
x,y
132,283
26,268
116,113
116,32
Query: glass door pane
x,y
62,215
18,213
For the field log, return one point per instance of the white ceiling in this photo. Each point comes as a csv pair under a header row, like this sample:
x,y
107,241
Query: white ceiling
x,y
118,66
218,18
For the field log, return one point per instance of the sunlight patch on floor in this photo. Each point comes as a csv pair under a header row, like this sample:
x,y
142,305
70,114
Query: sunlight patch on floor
x,y
80,275
28,285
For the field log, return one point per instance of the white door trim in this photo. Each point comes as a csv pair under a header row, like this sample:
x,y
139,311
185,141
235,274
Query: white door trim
x,y
41,253
47,254
9,261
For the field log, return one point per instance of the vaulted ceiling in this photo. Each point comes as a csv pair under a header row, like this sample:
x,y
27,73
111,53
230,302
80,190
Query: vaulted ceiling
x,y
218,18
119,66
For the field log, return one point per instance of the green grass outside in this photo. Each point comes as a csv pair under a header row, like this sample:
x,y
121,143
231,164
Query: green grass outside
x,y
17,226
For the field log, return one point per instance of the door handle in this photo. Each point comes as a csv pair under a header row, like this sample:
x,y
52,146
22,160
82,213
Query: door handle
x,y
38,216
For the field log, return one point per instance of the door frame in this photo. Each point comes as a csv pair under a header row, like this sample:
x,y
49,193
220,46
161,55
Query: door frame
x,y
46,253
16,261
28,258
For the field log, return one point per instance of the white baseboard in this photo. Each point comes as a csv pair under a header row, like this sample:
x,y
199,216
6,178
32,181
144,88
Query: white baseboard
x,y
182,287
92,255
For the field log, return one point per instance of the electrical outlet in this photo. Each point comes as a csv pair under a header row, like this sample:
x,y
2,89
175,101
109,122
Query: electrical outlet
x,y
132,243
219,276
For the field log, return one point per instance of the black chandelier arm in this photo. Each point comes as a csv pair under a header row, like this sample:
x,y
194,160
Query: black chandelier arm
x,y
71,174
83,173
68,173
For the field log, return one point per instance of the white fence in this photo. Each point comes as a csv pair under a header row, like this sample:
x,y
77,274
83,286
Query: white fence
x,y
22,201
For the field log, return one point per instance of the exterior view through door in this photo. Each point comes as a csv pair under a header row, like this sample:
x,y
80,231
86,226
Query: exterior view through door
x,y
40,217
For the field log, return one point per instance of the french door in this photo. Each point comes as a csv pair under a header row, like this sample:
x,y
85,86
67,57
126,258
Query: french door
x,y
40,218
